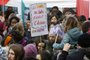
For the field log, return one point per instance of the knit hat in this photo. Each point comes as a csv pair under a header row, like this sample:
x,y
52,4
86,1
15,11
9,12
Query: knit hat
x,y
30,51
84,40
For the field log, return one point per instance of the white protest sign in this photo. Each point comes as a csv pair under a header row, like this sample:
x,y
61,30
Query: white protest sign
x,y
38,16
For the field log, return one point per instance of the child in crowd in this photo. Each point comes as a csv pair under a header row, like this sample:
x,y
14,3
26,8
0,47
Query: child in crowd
x,y
55,28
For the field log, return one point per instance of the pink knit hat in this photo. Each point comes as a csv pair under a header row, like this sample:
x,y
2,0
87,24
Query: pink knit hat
x,y
30,51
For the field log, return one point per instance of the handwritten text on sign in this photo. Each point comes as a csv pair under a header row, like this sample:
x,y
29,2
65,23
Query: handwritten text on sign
x,y
38,19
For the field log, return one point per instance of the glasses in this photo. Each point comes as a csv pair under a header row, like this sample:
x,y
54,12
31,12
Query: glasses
x,y
11,53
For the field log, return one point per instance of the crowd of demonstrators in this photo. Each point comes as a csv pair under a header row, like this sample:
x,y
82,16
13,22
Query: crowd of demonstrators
x,y
68,37
81,53
15,36
72,32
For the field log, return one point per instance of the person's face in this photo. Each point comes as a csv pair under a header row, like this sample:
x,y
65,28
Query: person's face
x,y
54,10
52,38
28,24
11,55
40,46
13,22
54,20
9,9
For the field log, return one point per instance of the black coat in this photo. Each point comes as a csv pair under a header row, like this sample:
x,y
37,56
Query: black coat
x,y
77,55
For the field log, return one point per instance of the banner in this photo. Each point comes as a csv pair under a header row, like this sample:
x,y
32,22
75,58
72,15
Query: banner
x,y
83,8
38,19
24,12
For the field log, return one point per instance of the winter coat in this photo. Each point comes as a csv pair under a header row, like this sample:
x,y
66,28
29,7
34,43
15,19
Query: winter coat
x,y
57,29
70,37
79,54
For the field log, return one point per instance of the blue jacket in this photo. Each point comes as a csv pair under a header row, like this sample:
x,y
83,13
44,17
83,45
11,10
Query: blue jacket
x,y
70,37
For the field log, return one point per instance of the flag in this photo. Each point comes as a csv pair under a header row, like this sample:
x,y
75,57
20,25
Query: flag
x,y
3,2
23,10
83,8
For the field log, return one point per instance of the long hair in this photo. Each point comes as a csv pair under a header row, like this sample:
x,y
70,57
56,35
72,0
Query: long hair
x,y
71,22
18,50
19,28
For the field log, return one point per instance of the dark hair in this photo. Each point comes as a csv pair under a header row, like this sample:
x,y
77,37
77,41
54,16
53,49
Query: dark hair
x,y
14,17
55,7
1,28
42,41
18,50
30,59
44,47
82,18
9,8
56,18
85,26
45,55
84,40
53,16
88,18
16,36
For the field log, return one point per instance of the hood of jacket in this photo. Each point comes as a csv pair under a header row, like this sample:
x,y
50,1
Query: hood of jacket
x,y
74,33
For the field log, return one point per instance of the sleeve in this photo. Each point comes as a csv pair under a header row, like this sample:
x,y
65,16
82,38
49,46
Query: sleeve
x,y
6,40
60,32
65,40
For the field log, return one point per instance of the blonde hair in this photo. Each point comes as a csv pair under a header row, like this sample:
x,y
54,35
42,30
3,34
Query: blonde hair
x,y
71,22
